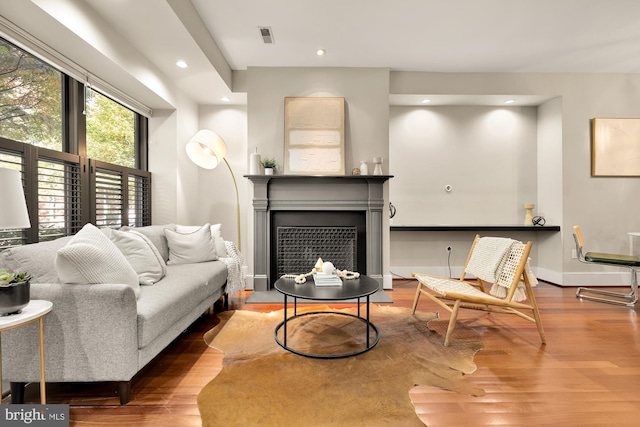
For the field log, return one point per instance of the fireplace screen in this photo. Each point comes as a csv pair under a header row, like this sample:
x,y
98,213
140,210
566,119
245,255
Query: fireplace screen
x,y
300,247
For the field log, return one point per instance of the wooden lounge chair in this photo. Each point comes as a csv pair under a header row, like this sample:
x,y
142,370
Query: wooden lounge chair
x,y
503,260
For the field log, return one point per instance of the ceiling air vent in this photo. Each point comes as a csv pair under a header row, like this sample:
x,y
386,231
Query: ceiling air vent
x,y
267,36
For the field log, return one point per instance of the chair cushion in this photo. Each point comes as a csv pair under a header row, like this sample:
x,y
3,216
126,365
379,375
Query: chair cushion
x,y
612,258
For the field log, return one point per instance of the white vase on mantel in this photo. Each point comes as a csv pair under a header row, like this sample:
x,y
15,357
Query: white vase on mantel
x,y
364,168
268,171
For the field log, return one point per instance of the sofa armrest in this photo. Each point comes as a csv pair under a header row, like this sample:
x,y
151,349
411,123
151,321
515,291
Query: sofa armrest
x,y
89,335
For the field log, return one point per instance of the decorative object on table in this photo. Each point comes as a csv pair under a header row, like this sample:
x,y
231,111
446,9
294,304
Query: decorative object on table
x,y
528,216
364,168
328,268
14,287
269,165
254,163
377,168
538,220
355,171
615,147
323,270
206,149
14,291
323,279
314,136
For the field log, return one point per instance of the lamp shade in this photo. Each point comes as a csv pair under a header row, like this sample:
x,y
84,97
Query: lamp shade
x,y
206,149
13,213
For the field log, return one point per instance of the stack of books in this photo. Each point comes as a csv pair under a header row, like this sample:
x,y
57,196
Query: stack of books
x,y
322,279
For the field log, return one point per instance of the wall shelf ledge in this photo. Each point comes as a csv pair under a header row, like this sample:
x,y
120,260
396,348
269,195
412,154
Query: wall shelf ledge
x,y
545,228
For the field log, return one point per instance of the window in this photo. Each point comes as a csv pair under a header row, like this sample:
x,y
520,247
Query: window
x,y
30,99
110,130
47,124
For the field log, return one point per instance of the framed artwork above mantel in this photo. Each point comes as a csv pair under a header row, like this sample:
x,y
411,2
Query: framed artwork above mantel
x,y
314,136
615,149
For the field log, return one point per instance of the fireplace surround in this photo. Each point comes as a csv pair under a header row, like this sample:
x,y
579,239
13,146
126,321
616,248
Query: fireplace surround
x,y
322,201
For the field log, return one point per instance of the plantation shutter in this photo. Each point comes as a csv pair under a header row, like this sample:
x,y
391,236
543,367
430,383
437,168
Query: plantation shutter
x,y
60,188
109,190
139,200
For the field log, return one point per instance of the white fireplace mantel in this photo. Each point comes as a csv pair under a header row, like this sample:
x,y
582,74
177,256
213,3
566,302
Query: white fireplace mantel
x,y
316,193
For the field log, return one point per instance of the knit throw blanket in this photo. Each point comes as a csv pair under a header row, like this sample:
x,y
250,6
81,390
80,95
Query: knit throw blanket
x,y
494,259
488,258
234,262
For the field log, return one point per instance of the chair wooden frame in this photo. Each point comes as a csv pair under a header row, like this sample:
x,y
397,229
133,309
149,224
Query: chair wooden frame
x,y
453,294
615,260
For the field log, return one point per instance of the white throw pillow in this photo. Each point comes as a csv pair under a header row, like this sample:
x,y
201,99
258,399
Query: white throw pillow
x,y
90,257
188,248
216,234
221,248
141,254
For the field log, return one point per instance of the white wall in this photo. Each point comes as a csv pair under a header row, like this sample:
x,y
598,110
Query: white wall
x,y
174,178
486,154
550,197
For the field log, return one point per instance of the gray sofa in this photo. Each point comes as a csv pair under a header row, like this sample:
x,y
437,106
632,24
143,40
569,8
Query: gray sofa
x,y
102,332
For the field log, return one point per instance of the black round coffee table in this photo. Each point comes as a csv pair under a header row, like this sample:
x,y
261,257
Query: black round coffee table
x,y
359,288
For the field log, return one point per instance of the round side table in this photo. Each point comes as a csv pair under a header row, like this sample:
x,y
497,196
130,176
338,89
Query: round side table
x,y
34,311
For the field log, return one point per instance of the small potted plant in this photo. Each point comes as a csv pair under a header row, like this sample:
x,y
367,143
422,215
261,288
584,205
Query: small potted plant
x,y
14,291
269,165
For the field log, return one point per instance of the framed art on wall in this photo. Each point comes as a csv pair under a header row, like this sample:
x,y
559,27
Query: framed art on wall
x,y
314,136
615,147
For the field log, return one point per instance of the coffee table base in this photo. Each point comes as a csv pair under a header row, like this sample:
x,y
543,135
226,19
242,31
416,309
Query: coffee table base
x,y
369,344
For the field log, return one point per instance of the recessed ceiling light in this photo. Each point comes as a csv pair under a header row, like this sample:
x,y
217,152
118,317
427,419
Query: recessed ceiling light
x,y
426,101
320,52
225,99
509,101
181,64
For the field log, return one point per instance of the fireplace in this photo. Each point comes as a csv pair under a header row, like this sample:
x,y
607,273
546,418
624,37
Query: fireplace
x,y
307,208
299,238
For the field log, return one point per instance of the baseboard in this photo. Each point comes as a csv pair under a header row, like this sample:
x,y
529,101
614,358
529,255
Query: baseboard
x,y
597,279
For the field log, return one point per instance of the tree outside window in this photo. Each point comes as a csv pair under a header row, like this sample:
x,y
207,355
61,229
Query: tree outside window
x,y
30,99
111,131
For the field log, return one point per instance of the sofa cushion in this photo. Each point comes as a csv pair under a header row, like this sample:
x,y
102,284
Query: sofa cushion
x,y
155,233
90,257
183,287
37,259
141,254
216,235
193,247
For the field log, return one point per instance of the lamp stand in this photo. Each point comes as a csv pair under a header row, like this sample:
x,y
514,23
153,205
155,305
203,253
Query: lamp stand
x,y
235,184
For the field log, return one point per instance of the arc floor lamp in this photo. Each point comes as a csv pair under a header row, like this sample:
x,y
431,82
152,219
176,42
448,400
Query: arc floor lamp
x,y
207,149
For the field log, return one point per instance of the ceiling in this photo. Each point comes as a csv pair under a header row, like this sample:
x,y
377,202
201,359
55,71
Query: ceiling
x,y
455,36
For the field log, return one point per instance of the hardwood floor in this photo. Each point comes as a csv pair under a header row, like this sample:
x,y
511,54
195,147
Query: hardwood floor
x,y
588,374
